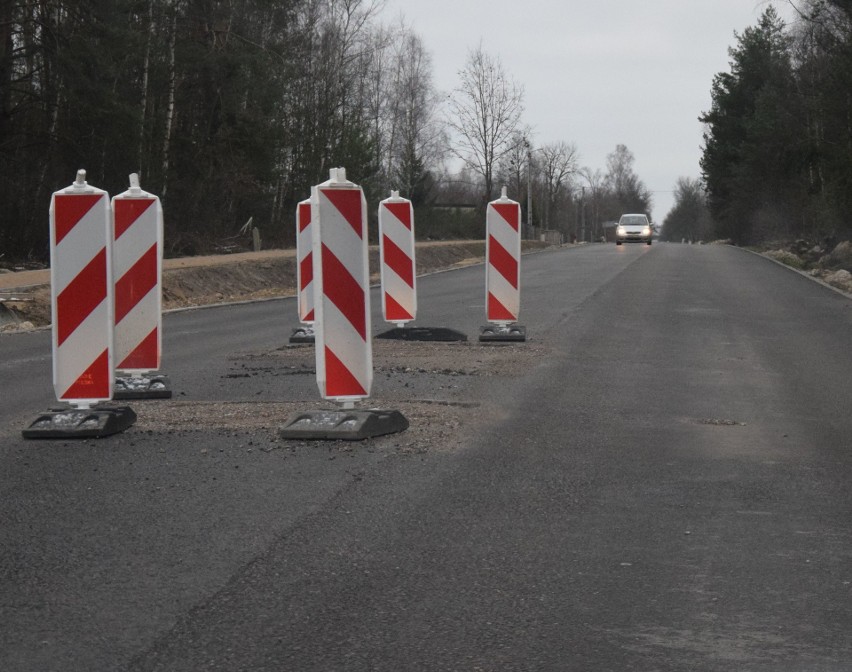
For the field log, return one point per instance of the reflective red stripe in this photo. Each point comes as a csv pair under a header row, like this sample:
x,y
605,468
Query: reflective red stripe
x,y
81,296
306,270
69,210
304,216
395,312
140,279
127,211
398,260
497,311
509,212
339,381
344,291
503,262
402,211
93,383
348,203
144,355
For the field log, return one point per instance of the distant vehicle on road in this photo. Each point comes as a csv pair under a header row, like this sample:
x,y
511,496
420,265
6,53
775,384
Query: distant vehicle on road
x,y
633,228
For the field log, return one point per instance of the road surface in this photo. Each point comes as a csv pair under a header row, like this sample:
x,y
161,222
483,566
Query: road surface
x,y
657,480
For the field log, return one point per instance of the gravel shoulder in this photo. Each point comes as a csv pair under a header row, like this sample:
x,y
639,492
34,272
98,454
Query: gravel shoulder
x,y
422,380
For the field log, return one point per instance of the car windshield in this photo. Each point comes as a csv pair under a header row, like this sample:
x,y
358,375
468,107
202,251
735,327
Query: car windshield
x,y
638,220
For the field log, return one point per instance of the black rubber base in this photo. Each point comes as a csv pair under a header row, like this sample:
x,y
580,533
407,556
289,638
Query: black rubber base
x,y
146,386
72,423
345,425
501,333
442,334
302,335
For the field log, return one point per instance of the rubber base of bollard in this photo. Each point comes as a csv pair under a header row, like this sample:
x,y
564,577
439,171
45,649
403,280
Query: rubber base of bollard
x,y
73,423
303,335
502,333
146,386
442,334
345,425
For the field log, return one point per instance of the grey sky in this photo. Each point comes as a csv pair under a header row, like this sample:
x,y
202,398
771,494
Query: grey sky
x,y
599,73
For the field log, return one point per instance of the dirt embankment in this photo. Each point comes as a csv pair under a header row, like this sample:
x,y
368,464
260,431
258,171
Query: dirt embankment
x,y
198,281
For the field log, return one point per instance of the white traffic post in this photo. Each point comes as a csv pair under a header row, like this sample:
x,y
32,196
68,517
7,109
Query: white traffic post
x,y
137,239
503,269
304,274
344,352
305,270
398,270
81,301
81,294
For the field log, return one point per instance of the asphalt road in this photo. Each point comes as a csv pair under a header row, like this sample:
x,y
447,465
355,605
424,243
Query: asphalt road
x,y
665,486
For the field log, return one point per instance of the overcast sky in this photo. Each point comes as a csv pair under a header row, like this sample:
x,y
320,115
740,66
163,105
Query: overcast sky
x,y
598,73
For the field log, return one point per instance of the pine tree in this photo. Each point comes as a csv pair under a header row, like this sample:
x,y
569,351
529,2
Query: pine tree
x,y
752,158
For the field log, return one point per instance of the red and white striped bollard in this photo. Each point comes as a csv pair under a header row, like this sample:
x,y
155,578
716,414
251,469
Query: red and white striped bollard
x,y
344,353
81,303
398,269
137,232
503,270
304,274
81,294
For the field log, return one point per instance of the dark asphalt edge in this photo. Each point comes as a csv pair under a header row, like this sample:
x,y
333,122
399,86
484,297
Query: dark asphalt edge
x,y
804,274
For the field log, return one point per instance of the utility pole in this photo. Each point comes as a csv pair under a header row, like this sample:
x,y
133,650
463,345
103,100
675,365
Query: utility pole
x,y
583,215
529,191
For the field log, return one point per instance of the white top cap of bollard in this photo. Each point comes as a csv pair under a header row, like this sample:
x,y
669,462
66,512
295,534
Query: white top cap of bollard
x,y
80,184
503,194
337,178
395,198
135,191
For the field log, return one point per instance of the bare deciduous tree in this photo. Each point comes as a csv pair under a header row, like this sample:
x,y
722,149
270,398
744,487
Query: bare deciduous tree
x,y
594,195
559,161
416,141
512,169
485,112
629,192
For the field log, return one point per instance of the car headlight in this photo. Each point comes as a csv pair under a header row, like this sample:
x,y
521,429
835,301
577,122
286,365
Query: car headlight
x,y
646,231
620,231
